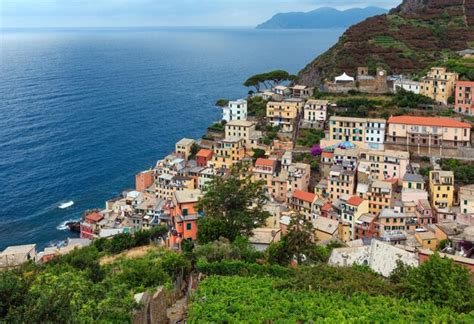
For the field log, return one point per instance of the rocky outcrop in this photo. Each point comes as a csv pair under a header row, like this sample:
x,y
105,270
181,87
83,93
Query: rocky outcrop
x,y
407,40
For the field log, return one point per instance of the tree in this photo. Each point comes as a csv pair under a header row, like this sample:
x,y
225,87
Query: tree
x,y
269,79
222,102
440,280
298,244
258,153
232,206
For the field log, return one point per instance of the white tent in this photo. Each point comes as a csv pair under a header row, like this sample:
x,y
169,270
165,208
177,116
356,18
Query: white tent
x,y
344,78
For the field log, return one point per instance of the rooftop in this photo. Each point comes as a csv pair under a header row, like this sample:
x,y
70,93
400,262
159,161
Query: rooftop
x,y
413,177
303,195
185,141
240,123
428,121
326,225
19,249
265,162
355,201
188,195
204,153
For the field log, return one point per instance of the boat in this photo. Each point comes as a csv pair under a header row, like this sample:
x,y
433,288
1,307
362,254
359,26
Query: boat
x,y
66,204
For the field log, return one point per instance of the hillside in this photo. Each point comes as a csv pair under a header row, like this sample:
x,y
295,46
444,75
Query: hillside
x,y
320,18
407,40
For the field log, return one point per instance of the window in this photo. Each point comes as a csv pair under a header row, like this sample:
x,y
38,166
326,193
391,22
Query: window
x,y
189,226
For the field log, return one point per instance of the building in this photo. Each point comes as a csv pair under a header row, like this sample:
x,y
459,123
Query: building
x,y
185,215
325,229
464,98
407,85
183,148
284,114
363,132
427,240
264,170
167,184
235,110
383,165
281,90
89,226
14,256
302,91
431,132
302,202
413,188
242,129
366,227
393,220
203,156
340,182
144,180
442,189
227,152
353,209
466,199
315,111
380,196
438,84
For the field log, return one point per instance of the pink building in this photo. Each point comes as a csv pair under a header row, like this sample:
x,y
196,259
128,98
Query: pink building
x,y
88,226
464,97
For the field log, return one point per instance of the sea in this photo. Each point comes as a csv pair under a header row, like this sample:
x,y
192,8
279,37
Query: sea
x,y
83,110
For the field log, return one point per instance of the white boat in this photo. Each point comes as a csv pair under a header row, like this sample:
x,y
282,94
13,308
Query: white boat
x,y
66,204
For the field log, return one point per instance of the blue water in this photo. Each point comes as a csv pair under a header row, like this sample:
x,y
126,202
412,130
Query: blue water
x,y
82,111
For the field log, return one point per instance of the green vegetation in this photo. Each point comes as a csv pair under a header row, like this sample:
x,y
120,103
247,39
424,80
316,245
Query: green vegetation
x,y
310,137
261,299
257,107
78,288
271,132
268,79
407,99
463,170
307,158
390,42
258,153
233,207
222,103
217,127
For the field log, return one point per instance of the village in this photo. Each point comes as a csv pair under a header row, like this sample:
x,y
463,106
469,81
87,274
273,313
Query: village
x,y
375,185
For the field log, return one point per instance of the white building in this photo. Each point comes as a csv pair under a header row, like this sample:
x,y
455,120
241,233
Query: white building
x,y
315,110
407,85
235,110
375,133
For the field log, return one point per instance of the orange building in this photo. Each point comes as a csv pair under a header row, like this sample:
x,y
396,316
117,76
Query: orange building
x,y
184,215
464,97
144,180
203,156
302,201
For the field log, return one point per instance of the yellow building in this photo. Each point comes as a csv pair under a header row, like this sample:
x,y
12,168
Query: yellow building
x,y
439,84
442,188
427,240
340,182
245,130
183,148
380,196
364,132
284,114
228,152
353,209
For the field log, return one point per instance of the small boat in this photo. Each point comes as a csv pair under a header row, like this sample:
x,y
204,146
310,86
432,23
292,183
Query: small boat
x,y
66,204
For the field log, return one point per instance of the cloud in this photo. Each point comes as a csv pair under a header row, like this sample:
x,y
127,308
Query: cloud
x,y
95,13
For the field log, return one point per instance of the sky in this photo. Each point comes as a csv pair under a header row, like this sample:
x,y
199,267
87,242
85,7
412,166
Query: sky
x,y
125,13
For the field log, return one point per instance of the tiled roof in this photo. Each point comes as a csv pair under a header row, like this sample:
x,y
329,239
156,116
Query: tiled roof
x,y
465,83
94,217
303,195
355,201
328,154
326,207
204,153
427,121
265,162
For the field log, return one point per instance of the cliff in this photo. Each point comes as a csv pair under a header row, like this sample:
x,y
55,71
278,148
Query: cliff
x,y
407,40
320,18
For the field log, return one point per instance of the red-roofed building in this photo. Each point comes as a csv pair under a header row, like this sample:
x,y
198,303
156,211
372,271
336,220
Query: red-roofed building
x,y
355,201
89,225
464,98
430,132
352,210
264,170
302,201
203,156
326,163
